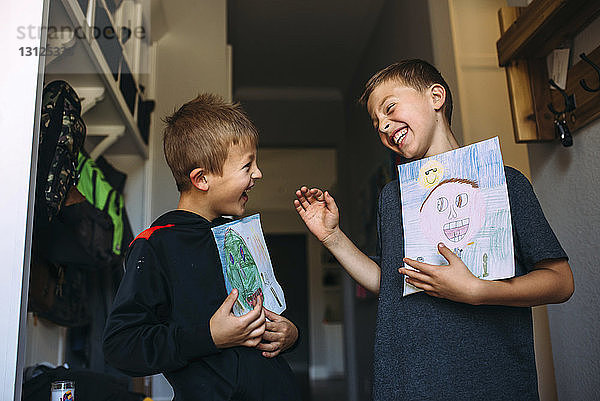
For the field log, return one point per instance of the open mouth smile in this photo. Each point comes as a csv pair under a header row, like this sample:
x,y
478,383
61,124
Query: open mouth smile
x,y
245,193
456,230
399,136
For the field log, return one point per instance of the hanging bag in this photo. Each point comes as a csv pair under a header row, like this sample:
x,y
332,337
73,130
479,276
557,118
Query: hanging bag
x,y
58,292
94,186
62,133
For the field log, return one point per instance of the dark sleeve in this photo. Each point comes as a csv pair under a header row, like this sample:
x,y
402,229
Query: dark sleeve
x,y
139,337
534,240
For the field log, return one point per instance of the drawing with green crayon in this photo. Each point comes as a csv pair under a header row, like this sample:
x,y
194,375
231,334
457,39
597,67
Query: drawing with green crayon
x,y
247,265
241,270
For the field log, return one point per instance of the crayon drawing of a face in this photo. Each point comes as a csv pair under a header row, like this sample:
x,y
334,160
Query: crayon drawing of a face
x,y
453,212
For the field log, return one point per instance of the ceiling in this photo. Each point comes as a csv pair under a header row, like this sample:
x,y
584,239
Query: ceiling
x,y
298,49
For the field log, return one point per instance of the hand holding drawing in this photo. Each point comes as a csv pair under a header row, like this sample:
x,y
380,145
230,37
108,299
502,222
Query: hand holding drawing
x,y
454,281
280,334
228,330
318,211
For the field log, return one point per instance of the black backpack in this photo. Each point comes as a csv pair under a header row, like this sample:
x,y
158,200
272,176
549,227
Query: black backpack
x,y
62,133
56,292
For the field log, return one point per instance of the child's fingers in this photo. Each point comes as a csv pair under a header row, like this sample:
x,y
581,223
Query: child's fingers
x,y
267,346
251,342
271,354
299,207
227,305
317,194
302,199
257,332
310,195
273,317
414,275
421,285
259,304
274,326
253,326
330,202
261,316
447,253
256,314
421,266
271,335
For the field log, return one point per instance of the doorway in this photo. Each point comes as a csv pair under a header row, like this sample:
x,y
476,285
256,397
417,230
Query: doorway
x,y
288,256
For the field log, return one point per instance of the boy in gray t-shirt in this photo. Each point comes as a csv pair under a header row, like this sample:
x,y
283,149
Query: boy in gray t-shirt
x,y
463,337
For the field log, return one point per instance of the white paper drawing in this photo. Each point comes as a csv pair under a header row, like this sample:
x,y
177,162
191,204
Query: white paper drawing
x,y
459,198
247,265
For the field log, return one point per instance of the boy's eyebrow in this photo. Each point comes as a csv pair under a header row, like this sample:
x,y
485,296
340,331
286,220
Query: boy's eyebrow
x,y
250,158
383,100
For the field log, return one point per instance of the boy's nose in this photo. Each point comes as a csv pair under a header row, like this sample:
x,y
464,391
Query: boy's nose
x,y
256,174
385,126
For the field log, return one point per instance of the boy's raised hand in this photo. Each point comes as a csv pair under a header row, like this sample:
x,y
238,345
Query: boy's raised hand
x,y
280,334
454,281
318,211
228,330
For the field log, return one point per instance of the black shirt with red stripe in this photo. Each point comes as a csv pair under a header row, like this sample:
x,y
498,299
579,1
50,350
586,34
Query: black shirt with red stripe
x,y
159,322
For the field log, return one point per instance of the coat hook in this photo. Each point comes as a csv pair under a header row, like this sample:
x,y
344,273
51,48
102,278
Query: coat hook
x,y
595,67
560,120
569,100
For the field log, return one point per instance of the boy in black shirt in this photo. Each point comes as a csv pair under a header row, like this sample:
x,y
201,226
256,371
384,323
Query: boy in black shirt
x,y
172,314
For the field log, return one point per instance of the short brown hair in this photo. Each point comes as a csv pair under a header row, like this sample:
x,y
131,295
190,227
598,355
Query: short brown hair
x,y
414,73
200,133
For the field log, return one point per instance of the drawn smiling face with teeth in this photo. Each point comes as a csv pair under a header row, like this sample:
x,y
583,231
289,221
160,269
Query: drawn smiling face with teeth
x,y
453,212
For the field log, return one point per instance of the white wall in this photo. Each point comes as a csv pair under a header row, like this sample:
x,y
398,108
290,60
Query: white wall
x,y
191,58
18,90
567,183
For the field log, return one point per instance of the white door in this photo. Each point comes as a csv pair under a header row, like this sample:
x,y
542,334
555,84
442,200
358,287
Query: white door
x,y
20,87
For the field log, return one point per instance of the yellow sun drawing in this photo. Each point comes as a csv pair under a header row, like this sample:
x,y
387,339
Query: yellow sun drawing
x,y
431,174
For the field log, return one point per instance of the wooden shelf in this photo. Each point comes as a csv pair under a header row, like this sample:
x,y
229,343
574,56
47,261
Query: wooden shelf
x,y
84,65
529,34
543,26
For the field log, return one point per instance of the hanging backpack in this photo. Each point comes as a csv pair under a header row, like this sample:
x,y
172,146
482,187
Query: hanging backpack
x,y
94,228
58,293
94,186
62,133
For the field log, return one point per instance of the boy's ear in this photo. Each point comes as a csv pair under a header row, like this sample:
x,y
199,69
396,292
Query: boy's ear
x,y
438,96
198,179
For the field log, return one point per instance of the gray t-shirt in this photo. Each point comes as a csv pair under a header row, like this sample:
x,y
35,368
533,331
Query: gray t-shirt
x,y
428,348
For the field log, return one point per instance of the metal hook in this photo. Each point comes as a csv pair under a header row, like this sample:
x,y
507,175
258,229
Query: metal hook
x,y
560,121
595,67
569,100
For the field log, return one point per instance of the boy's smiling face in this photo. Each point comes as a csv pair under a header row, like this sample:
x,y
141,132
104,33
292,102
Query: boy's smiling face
x,y
228,193
406,119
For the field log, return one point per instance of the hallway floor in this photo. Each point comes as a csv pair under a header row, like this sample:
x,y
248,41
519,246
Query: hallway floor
x,y
328,390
